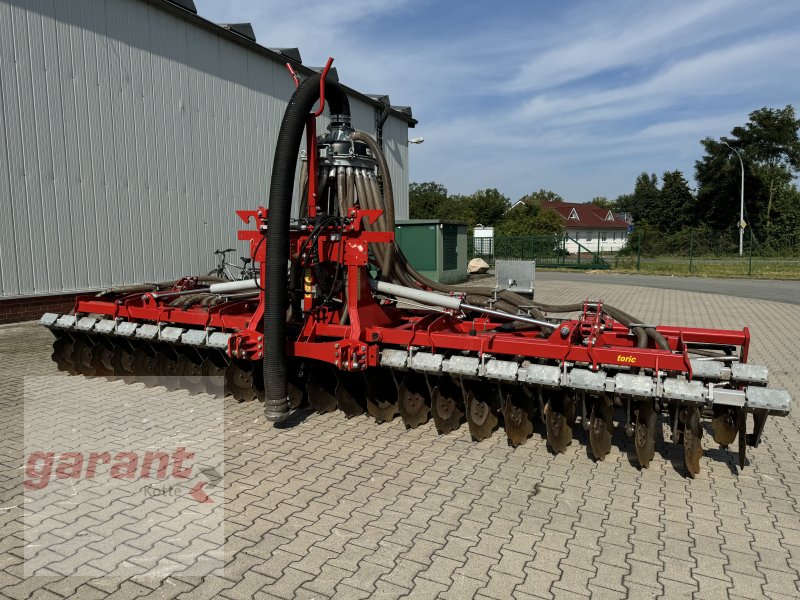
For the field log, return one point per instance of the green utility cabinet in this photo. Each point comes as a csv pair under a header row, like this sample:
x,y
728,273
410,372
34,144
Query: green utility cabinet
x,y
437,249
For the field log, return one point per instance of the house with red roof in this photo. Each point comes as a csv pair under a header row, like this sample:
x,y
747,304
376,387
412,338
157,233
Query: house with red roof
x,y
591,226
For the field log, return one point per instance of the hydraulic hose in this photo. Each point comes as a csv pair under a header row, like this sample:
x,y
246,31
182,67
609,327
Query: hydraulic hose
x,y
350,186
640,332
303,190
340,191
383,168
627,320
155,287
322,199
366,200
276,396
387,219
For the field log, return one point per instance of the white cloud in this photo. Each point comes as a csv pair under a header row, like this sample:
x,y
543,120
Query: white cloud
x,y
614,37
695,128
581,102
731,69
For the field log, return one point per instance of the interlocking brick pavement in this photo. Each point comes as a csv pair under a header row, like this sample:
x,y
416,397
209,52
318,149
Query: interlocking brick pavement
x,y
350,509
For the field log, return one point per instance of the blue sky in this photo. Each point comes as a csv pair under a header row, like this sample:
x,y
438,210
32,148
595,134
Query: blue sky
x,y
576,97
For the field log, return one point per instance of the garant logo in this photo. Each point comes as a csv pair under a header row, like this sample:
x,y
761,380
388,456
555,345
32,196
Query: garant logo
x,y
630,360
40,467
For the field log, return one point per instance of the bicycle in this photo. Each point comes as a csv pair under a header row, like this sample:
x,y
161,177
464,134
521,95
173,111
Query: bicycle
x,y
223,268
248,268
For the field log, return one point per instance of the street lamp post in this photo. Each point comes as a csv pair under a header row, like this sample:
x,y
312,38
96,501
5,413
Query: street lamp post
x,y
741,206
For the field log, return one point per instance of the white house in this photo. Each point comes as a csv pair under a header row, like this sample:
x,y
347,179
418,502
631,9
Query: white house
x,y
592,227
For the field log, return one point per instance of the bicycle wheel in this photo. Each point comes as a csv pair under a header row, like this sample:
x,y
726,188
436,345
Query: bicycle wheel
x,y
219,273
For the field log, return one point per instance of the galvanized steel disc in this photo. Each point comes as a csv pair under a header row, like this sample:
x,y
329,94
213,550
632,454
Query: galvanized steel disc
x,y
559,416
350,394
381,393
239,381
446,404
725,424
122,362
517,418
62,355
693,441
412,403
480,416
644,437
601,426
81,357
321,389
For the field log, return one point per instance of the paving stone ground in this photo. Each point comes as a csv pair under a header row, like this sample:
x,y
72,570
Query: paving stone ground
x,y
343,508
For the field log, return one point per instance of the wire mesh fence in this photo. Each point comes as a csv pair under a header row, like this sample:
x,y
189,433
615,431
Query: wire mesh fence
x,y
706,252
554,250
700,251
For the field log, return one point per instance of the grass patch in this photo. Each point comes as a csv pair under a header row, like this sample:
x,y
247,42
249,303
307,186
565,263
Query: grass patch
x,y
728,267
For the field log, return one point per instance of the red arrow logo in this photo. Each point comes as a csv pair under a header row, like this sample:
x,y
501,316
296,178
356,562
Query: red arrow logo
x,y
198,494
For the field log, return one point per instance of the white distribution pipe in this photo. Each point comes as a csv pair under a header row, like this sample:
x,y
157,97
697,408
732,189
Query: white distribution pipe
x,y
450,302
234,286
421,296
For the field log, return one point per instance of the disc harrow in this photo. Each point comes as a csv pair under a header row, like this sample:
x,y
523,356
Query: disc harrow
x,y
354,327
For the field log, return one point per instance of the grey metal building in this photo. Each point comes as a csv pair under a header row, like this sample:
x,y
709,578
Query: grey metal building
x,y
130,132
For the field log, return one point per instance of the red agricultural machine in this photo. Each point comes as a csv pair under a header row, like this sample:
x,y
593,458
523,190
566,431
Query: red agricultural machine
x,y
339,319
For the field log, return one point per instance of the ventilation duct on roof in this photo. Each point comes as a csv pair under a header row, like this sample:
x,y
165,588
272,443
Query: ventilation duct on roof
x,y
290,53
383,98
184,4
406,110
243,29
333,75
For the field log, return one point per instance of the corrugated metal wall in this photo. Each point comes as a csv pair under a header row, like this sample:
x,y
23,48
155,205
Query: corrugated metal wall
x,y
128,137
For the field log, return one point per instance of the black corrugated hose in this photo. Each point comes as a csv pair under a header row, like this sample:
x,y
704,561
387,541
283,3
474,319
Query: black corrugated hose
x,y
276,396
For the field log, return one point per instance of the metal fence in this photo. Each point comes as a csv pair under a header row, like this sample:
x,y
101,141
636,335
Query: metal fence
x,y
547,250
699,251
712,253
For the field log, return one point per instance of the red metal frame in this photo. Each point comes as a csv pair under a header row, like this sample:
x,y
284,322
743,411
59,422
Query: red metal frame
x,y
588,339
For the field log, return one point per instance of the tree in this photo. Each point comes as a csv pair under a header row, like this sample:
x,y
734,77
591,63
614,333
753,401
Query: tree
x,y
425,200
487,207
786,223
603,202
770,139
675,204
529,218
624,203
769,144
667,209
645,197
642,203
542,196
484,207
718,180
